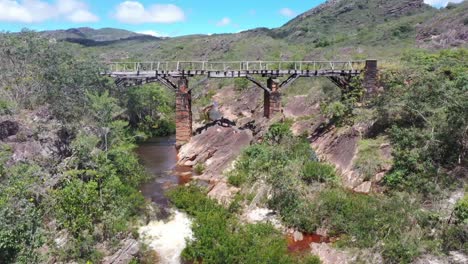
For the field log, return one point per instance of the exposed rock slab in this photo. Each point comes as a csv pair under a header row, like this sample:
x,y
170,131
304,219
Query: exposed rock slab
x,y
216,148
329,255
300,106
128,250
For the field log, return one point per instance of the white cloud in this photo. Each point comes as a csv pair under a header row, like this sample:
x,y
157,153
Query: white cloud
x,y
287,12
152,33
34,11
441,3
134,12
82,16
224,22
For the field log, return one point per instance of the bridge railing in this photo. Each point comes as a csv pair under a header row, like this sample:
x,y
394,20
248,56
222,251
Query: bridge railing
x,y
233,66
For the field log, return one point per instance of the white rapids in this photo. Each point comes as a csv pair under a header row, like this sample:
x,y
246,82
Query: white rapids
x,y
168,238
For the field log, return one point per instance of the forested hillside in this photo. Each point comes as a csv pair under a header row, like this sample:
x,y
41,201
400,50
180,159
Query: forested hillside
x,y
383,178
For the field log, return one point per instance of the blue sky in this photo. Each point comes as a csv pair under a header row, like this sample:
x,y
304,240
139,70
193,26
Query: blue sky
x,y
163,18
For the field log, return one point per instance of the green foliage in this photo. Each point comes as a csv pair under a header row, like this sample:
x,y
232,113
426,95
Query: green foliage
x,y
220,238
199,168
151,110
318,172
77,206
20,215
366,221
6,107
461,210
279,131
341,112
370,160
99,196
37,71
455,237
281,167
104,107
241,84
427,115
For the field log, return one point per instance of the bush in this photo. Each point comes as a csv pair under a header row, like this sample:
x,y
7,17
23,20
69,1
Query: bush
x,y
318,172
366,221
151,110
369,159
279,131
241,84
199,169
461,210
220,238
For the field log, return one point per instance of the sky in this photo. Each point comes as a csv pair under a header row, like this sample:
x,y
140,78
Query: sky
x,y
156,17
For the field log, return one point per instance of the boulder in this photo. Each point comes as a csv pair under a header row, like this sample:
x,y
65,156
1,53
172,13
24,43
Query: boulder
x,y
8,128
329,255
365,187
128,250
216,148
300,106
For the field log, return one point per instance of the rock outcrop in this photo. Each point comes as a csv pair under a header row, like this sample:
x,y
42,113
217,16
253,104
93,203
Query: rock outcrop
x,y
216,149
128,250
329,255
35,136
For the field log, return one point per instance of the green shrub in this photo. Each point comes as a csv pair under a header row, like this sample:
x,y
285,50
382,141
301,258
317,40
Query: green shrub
x,y
461,210
5,107
455,237
220,238
365,221
279,131
199,169
369,160
318,172
241,83
20,215
151,110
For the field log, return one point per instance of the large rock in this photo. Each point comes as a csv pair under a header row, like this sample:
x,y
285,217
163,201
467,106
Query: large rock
x,y
329,255
216,148
128,250
8,128
35,136
300,106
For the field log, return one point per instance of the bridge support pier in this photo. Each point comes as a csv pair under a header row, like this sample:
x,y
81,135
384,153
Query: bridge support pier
x,y
183,112
370,77
272,100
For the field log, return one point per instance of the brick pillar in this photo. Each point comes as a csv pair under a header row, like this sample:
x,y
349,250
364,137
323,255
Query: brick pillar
x,y
183,112
272,101
370,77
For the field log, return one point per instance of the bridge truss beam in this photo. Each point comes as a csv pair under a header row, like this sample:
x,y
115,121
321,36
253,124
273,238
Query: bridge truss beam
x,y
340,73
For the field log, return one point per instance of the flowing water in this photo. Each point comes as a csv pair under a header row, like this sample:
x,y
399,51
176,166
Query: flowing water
x,y
167,236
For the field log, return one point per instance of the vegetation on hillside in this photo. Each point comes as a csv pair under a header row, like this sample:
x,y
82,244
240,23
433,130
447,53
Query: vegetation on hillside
x,y
94,196
87,195
220,237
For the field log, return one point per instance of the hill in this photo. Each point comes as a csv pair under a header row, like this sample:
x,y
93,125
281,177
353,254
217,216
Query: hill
x,y
337,29
97,37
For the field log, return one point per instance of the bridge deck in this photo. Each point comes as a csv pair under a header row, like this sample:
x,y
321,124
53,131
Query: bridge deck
x,y
230,74
142,70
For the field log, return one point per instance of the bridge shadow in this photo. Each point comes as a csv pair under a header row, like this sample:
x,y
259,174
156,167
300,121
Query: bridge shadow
x,y
223,122
321,130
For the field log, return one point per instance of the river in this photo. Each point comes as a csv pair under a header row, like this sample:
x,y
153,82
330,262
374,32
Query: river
x,y
166,236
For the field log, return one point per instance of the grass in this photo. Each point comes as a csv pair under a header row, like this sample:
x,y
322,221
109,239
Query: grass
x,y
307,195
370,160
220,238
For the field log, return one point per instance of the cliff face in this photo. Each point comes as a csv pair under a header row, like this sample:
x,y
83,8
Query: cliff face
x,y
449,28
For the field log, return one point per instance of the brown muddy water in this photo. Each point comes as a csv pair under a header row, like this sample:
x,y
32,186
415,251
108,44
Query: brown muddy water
x,y
159,157
304,244
168,235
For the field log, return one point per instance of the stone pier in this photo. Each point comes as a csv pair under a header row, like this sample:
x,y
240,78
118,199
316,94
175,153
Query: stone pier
x,y
183,112
370,77
272,101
